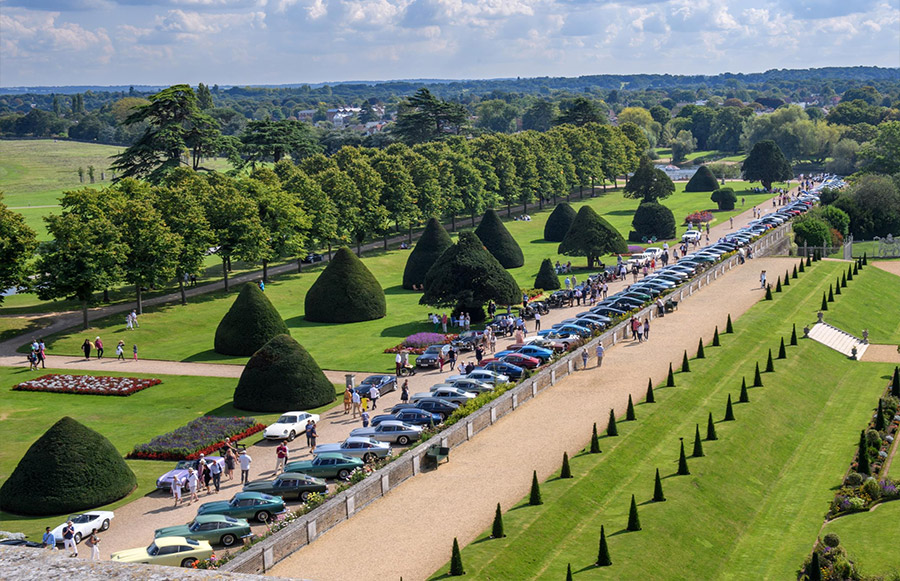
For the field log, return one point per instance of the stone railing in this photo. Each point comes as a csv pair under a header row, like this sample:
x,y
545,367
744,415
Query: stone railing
x,y
342,506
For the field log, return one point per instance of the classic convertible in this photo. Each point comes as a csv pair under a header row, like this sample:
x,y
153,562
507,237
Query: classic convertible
x,y
246,505
289,484
289,426
180,471
84,523
213,528
172,551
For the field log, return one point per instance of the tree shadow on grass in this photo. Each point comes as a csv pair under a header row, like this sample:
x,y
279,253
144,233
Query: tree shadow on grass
x,y
619,532
399,290
406,329
619,213
210,355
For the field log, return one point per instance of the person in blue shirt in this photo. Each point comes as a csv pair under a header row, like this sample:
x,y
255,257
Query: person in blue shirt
x,y
49,540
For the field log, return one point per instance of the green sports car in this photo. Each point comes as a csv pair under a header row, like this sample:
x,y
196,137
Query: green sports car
x,y
289,484
246,505
215,528
329,465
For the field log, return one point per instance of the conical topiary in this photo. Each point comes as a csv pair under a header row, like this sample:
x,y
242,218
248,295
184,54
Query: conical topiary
x,y
787,279
770,365
569,572
592,236
830,294
534,498
603,559
611,429
778,285
879,417
895,382
700,353
729,411
843,280
757,377
559,222
546,277
670,380
728,326
431,244
282,376
824,302
498,241
808,260
69,469
837,287
566,471
794,273
658,495
711,429
865,259
768,293
650,397
744,397
802,267
862,454
629,412
703,180
698,444
855,269
456,564
682,461
782,352
249,324
794,334
497,527
345,292
634,521
814,573
849,272
715,342
685,364
595,441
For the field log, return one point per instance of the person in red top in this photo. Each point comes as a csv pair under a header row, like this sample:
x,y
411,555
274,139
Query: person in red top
x,y
281,452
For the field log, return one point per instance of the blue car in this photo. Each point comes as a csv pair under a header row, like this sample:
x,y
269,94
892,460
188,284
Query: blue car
x,y
537,352
413,416
513,371
384,383
582,332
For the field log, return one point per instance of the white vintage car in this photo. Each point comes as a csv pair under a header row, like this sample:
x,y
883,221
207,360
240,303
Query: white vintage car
x,y
84,523
289,426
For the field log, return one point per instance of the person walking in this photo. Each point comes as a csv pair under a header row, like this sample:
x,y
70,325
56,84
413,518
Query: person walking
x,y
49,540
584,358
479,353
404,391
398,364
348,400
129,324
451,356
375,393
355,400
762,279
203,473
120,351
98,345
93,541
193,484
134,351
215,471
311,435
639,330
600,352
731,220
86,348
229,463
245,461
175,487
42,353
134,319
647,329
68,534
365,419
281,456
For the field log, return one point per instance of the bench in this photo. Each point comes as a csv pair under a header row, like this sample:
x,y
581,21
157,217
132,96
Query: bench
x,y
671,305
438,453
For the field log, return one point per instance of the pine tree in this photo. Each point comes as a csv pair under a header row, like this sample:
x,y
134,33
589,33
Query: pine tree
x,y
456,565
729,412
682,461
728,326
711,429
700,353
629,413
534,498
658,495
843,280
566,471
787,278
634,521
824,303
603,559
698,445
770,365
782,353
685,365
715,342
497,528
830,294
862,454
794,335
744,397
879,417
611,429
595,442
757,378
895,382
837,287
814,573
670,380
794,274
768,293
650,398
569,572
778,285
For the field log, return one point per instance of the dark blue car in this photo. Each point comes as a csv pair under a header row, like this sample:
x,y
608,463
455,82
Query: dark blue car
x,y
513,371
384,383
410,415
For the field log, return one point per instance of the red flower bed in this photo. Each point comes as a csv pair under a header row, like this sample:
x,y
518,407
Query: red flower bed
x,y
87,384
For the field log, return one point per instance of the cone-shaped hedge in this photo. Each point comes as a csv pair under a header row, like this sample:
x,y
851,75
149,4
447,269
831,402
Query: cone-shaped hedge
x,y
499,241
802,267
698,444
69,469
634,521
794,273
729,411
611,429
729,328
603,559
855,269
282,376
715,342
345,292
700,353
744,397
837,287
595,441
546,277
770,365
569,572
879,417
456,564
670,380
787,279
566,471
703,180
757,377
249,324
778,285
658,495
433,242
650,397
814,573
559,222
768,293
865,259
808,260
682,462
652,220
794,334
629,413
782,352
534,498
711,429
591,236
895,382
849,272
497,527
830,294
843,280
685,364
862,454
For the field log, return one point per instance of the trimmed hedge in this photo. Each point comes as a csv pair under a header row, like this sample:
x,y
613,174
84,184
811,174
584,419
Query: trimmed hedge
x,y
652,220
498,241
725,198
69,469
249,324
547,278
559,222
345,292
280,377
703,180
433,242
591,236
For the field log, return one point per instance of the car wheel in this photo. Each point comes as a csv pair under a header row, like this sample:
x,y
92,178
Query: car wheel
x,y
403,440
304,496
262,516
291,436
77,538
343,474
369,457
188,563
105,524
228,540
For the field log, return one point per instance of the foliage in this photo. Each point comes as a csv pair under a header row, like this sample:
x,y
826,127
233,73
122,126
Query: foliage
x,y
744,397
565,471
17,244
711,429
683,469
650,398
698,444
634,521
534,497
497,527
345,292
249,324
498,241
648,183
456,565
670,379
703,180
595,442
203,435
766,164
603,559
547,278
86,384
658,495
652,220
700,353
433,242
629,412
697,218
811,231
423,117
559,222
725,198
591,236
611,429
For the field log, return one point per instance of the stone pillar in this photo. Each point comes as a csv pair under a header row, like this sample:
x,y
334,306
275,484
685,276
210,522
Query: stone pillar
x,y
350,502
350,380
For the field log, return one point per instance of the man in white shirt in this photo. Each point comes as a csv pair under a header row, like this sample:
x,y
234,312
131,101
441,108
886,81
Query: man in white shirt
x,y
355,399
374,394
245,461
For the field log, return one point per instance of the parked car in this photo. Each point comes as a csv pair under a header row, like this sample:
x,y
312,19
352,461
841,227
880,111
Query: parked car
x,y
451,394
329,465
313,257
255,505
691,236
84,523
430,357
539,353
288,426
390,431
289,484
483,375
435,405
472,385
467,340
508,369
21,543
385,383
164,482
521,360
409,415
366,448
212,528
172,551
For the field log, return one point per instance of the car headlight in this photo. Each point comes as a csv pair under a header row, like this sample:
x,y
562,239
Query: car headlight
x,y
284,432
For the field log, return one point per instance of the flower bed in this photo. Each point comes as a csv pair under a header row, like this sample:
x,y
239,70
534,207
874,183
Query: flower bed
x,y
87,384
201,436
418,342
698,217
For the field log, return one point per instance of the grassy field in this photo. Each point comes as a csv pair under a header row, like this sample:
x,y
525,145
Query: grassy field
x,y
871,538
357,346
853,316
27,415
753,505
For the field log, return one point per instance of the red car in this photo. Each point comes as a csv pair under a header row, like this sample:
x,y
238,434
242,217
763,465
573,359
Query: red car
x,y
521,360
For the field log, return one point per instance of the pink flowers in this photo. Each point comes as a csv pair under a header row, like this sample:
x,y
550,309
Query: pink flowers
x,y
698,217
87,384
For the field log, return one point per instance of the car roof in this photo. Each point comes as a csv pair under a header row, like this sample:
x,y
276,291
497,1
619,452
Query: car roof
x,y
295,413
250,494
203,518
337,455
170,541
360,439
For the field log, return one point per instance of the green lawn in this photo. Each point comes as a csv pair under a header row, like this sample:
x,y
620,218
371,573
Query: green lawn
x,y
153,411
752,506
357,346
871,538
869,308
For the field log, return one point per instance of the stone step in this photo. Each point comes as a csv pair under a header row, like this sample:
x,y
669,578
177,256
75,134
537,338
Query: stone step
x,y
837,339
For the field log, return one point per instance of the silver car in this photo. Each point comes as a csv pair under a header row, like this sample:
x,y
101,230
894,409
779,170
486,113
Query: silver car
x,y
472,385
358,447
451,394
391,431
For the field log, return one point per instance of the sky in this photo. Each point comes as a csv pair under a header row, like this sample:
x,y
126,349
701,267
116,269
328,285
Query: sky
x,y
238,42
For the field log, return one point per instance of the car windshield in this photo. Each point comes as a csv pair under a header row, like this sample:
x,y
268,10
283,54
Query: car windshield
x,y
184,464
235,501
286,419
195,526
152,550
81,518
